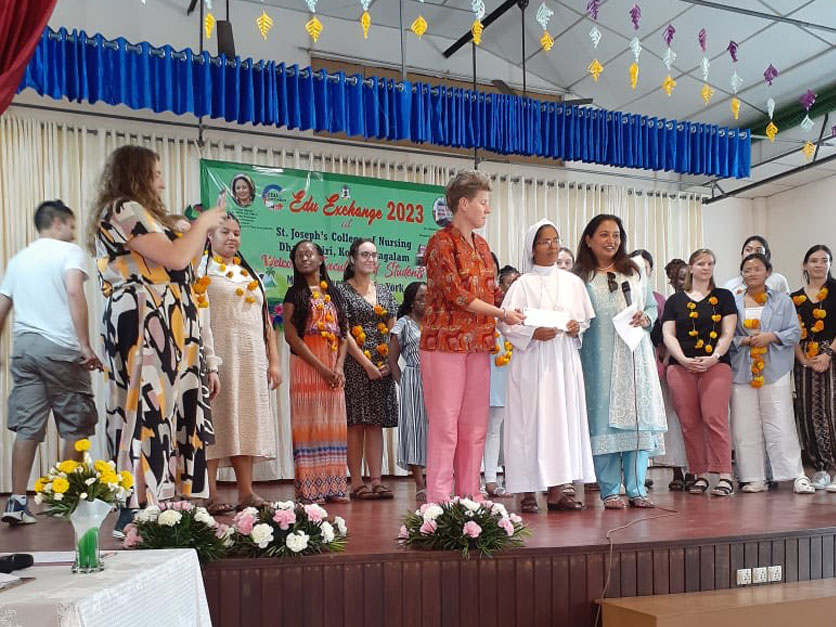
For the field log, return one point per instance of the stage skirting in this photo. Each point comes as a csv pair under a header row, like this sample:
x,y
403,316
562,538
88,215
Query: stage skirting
x,y
525,587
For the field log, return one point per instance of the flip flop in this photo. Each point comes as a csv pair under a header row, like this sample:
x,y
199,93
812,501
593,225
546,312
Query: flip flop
x,y
382,492
216,508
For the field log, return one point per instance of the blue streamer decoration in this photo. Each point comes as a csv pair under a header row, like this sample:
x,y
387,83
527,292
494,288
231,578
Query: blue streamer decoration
x,y
79,68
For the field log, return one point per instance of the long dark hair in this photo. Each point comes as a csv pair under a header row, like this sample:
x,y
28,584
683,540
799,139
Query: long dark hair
x,y
815,249
585,262
762,240
299,295
409,295
203,267
348,273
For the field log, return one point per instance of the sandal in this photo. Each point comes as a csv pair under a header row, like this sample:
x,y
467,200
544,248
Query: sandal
x,y
802,485
216,508
499,493
677,485
567,502
421,496
724,487
362,493
641,502
253,500
529,505
382,492
689,481
700,486
614,501
338,499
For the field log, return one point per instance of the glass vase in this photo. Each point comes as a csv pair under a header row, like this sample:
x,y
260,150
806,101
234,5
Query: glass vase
x,y
87,519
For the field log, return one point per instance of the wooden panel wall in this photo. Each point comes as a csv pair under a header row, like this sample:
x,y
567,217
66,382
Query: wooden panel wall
x,y
525,588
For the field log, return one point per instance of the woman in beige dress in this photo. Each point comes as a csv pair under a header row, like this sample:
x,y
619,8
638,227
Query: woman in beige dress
x,y
245,429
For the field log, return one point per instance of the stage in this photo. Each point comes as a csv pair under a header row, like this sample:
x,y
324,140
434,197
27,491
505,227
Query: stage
x,y
553,580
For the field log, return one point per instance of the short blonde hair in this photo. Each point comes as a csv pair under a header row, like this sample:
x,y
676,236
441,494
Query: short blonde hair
x,y
465,184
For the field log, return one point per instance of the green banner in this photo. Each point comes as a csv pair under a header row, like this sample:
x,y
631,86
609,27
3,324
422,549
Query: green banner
x,y
277,207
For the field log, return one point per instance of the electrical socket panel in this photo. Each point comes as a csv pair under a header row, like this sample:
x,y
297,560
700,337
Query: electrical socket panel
x,y
744,576
774,573
759,574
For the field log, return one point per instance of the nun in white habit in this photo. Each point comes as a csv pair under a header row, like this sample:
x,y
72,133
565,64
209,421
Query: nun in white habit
x,y
546,431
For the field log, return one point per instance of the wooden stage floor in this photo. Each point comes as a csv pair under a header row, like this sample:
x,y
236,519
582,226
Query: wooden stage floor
x,y
553,580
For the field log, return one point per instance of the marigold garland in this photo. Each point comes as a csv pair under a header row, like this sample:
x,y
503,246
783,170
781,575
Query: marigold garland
x,y
813,347
320,297
505,359
701,343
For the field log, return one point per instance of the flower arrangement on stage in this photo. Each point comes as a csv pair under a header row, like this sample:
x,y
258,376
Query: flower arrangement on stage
x,y
463,525
69,482
287,529
179,525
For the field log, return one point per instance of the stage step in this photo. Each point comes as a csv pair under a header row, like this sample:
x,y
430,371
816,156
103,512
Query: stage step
x,y
808,603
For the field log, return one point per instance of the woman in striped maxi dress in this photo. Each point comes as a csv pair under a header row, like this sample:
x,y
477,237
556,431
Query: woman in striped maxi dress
x,y
405,340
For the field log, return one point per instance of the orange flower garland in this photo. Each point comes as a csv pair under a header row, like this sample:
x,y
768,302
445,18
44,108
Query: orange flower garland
x,y
819,314
701,343
502,360
199,287
320,297
757,353
252,286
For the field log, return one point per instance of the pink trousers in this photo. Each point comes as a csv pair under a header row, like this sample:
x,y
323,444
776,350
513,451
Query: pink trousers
x,y
701,402
457,396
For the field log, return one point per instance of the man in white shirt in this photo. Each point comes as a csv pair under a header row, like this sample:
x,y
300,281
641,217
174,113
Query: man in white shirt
x,y
51,356
757,244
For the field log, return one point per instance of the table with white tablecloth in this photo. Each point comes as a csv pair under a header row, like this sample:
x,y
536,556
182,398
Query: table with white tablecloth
x,y
136,589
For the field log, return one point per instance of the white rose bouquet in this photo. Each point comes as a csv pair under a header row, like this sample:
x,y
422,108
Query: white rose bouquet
x,y
179,525
287,529
463,525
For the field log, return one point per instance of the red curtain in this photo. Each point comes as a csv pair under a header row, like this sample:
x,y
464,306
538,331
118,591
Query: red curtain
x,y
22,23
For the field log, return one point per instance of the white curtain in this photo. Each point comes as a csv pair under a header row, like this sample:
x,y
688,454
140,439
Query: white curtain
x,y
46,159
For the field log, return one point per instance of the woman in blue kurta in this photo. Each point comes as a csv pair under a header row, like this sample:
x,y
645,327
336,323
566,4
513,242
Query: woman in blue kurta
x,y
619,385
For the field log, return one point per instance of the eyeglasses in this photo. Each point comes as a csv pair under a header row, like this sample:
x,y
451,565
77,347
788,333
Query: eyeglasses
x,y
547,243
611,282
367,255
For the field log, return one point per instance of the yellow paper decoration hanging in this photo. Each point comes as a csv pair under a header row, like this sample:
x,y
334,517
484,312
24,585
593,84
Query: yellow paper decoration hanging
x,y
547,41
366,21
314,28
771,131
707,93
595,68
209,25
735,107
809,149
419,26
634,74
264,23
476,31
668,84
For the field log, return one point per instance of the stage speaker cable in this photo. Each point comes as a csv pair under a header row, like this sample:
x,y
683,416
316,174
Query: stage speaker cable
x,y
669,513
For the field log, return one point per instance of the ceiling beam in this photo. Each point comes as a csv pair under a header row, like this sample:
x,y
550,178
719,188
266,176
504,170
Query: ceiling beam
x,y
764,16
489,19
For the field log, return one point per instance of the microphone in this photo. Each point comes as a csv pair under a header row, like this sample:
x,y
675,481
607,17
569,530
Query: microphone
x,y
16,561
625,287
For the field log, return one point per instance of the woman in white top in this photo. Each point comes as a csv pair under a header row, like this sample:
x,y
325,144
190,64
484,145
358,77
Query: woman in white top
x,y
546,429
776,282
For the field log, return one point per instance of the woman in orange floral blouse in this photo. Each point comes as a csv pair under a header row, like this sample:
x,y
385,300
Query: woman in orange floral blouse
x,y
456,340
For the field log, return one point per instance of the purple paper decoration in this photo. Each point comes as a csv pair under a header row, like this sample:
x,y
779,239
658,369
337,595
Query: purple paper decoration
x,y
702,36
770,74
635,16
808,99
833,131
592,7
670,31
733,46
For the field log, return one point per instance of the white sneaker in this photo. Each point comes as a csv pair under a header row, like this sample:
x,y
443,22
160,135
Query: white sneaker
x,y
821,480
802,485
17,511
832,487
754,486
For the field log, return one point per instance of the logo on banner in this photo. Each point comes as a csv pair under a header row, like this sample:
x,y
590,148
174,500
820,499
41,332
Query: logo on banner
x,y
273,197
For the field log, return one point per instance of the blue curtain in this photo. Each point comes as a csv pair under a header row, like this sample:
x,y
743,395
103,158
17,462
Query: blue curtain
x,y
83,69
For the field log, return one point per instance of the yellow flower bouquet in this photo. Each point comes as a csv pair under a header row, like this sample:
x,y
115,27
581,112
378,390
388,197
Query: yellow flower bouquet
x,y
69,482
84,493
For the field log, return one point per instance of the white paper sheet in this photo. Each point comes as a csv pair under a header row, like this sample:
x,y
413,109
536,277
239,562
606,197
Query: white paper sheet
x,y
631,335
548,318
